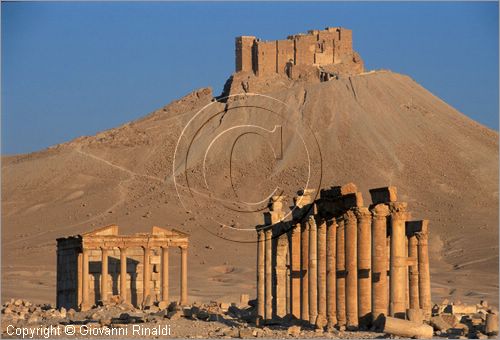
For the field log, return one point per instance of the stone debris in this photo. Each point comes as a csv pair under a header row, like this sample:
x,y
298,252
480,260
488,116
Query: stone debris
x,y
204,320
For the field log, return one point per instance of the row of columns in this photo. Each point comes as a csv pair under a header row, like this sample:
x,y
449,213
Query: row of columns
x,y
353,267
84,287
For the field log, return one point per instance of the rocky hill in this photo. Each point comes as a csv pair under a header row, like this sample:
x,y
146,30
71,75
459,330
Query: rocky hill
x,y
374,129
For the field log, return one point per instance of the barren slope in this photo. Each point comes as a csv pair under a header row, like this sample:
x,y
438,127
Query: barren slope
x,y
374,129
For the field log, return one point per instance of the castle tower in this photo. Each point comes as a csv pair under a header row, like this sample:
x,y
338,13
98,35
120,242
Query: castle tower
x,y
244,53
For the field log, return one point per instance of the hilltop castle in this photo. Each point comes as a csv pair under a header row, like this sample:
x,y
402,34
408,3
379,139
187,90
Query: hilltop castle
x,y
315,50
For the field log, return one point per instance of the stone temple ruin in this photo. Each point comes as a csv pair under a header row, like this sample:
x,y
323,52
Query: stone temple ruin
x,y
328,51
339,263
101,265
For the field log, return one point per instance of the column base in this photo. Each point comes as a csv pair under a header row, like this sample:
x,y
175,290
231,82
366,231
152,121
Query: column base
x,y
85,307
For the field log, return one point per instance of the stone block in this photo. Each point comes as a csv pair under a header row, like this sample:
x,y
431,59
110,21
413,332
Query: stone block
x,y
155,260
352,200
461,309
384,195
346,189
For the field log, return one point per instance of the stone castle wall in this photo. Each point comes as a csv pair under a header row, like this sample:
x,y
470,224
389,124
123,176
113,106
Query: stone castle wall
x,y
330,46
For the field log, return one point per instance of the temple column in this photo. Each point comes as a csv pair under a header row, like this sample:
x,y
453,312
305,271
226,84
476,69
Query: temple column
x,y
123,274
146,275
85,280
269,275
184,293
398,261
413,271
423,268
79,278
261,288
322,269
364,266
351,266
164,274
104,274
304,270
331,248
295,272
340,277
313,270
380,301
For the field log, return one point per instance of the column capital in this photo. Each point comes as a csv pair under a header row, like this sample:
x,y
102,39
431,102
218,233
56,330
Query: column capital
x,y
362,213
422,237
183,246
380,211
349,215
331,223
311,223
399,215
321,223
165,246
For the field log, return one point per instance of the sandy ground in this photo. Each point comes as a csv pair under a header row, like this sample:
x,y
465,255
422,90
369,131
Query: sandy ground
x,y
375,129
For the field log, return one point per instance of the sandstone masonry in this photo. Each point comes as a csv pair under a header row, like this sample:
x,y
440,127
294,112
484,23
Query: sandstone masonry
x,y
314,50
340,263
101,265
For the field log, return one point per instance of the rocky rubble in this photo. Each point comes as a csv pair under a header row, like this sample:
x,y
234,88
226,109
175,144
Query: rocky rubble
x,y
457,320
224,320
212,320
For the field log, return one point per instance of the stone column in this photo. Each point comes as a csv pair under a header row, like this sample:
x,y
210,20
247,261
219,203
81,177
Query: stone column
x,y
398,261
313,270
331,256
146,274
80,279
85,281
351,267
280,271
304,272
424,270
184,262
380,301
364,266
413,284
322,269
269,275
123,274
340,281
104,274
261,287
295,272
164,274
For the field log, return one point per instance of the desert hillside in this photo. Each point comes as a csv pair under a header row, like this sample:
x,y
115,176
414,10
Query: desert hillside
x,y
374,129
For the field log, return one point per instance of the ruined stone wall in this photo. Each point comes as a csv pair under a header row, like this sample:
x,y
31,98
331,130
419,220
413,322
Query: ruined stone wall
x,y
244,53
305,47
285,50
343,46
266,58
67,272
316,48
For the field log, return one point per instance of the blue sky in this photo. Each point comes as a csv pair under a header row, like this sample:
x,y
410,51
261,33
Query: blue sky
x,y
72,69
